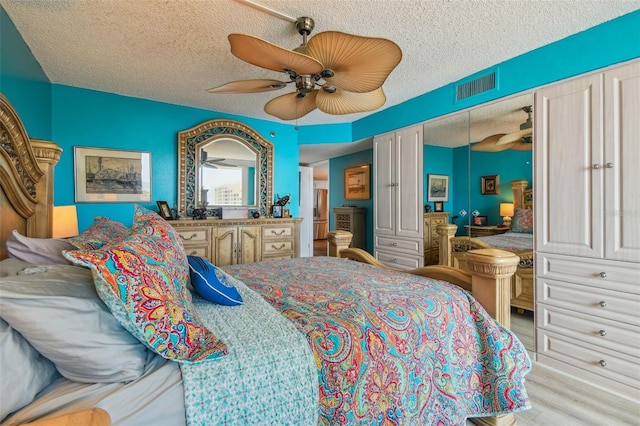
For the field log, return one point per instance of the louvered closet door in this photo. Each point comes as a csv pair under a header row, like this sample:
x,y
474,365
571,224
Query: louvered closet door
x,y
621,169
568,158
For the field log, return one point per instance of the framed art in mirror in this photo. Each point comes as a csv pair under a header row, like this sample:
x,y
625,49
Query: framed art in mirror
x,y
111,175
357,182
438,188
490,185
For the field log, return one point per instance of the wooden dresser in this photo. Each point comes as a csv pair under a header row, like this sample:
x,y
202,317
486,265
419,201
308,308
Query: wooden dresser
x,y
352,219
431,245
234,241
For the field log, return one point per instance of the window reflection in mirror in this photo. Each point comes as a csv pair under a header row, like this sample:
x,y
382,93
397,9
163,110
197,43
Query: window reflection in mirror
x,y
227,173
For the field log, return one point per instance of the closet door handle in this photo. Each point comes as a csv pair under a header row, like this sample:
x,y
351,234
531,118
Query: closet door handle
x,y
603,275
609,165
596,166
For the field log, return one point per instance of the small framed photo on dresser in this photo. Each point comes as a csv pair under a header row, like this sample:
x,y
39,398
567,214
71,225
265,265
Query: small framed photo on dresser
x,y
276,210
438,206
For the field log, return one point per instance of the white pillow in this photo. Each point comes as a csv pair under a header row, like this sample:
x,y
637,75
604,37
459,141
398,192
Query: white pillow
x,y
57,310
39,251
24,371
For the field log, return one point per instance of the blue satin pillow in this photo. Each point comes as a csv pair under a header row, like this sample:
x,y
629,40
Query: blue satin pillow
x,y
212,283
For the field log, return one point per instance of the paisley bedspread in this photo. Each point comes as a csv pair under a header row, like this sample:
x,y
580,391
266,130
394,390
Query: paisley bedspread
x,y
510,241
393,348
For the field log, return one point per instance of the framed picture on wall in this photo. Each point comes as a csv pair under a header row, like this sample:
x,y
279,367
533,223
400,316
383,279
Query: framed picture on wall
x,y
438,188
112,175
490,185
356,183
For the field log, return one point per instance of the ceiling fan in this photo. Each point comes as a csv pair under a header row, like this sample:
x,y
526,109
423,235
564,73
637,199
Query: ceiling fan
x,y
336,72
521,140
212,163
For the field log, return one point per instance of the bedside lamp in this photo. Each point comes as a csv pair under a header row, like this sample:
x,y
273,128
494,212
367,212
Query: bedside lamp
x,y
65,222
506,211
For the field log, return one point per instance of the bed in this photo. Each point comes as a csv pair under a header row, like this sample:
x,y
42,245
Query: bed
x,y
518,240
326,340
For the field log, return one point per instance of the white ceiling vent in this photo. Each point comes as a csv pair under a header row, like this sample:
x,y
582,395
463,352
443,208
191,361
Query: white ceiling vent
x,y
477,85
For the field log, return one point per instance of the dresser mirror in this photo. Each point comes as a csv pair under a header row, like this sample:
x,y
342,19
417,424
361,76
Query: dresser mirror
x,y
224,163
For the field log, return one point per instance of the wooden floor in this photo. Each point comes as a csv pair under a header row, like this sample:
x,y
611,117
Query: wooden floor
x,y
557,399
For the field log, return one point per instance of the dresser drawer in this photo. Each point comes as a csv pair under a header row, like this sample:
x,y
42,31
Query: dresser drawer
x,y
399,260
198,250
620,276
270,248
413,247
603,362
608,304
193,235
275,231
614,335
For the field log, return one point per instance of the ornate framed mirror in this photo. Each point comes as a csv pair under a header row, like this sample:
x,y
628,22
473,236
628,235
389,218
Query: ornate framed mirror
x,y
224,163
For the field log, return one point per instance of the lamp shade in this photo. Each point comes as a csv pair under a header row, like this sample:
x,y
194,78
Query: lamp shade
x,y
506,209
65,222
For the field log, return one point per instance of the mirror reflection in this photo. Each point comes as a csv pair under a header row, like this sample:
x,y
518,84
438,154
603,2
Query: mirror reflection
x,y
227,173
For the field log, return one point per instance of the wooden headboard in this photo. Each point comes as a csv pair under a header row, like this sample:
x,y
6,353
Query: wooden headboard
x,y
26,179
522,197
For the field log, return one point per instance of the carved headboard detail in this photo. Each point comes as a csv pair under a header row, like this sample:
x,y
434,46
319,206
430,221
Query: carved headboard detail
x,y
26,179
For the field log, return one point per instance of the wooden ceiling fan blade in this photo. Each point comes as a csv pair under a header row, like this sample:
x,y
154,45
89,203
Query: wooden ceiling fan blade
x,y
344,102
489,144
514,137
290,106
267,55
249,86
360,64
521,146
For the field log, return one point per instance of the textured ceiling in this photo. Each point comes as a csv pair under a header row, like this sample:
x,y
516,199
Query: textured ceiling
x,y
172,51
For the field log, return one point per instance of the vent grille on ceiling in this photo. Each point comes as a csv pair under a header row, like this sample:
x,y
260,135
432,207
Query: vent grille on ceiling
x,y
477,85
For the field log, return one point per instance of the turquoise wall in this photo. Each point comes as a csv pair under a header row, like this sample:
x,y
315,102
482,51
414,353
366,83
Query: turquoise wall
x,y
96,119
23,81
336,190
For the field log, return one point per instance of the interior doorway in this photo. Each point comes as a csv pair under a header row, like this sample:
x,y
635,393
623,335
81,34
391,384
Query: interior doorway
x,y
320,207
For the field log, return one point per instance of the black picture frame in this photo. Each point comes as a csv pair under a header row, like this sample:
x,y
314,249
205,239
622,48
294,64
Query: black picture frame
x,y
276,210
480,221
490,185
164,210
438,206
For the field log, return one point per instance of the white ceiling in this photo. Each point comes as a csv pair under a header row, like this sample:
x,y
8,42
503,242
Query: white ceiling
x,y
172,51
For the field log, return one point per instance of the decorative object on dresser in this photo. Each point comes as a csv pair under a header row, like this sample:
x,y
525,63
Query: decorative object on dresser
x,y
398,201
506,211
588,261
438,188
112,175
438,206
480,220
276,210
352,219
431,243
164,211
490,185
357,183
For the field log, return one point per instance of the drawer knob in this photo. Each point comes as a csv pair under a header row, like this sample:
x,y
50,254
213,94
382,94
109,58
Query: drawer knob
x,y
395,260
193,253
603,275
277,248
602,363
602,304
188,238
395,244
274,232
602,333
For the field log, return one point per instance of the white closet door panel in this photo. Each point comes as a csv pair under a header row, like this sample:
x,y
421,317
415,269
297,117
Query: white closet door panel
x,y
568,142
384,184
622,157
409,206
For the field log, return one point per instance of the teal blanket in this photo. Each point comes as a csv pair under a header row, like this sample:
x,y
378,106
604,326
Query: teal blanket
x,y
268,378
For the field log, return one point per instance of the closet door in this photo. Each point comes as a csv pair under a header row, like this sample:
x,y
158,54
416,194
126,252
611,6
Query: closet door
x,y
568,162
408,164
620,168
384,184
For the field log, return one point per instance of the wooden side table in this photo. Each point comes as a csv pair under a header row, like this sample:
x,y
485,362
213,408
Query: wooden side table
x,y
483,231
